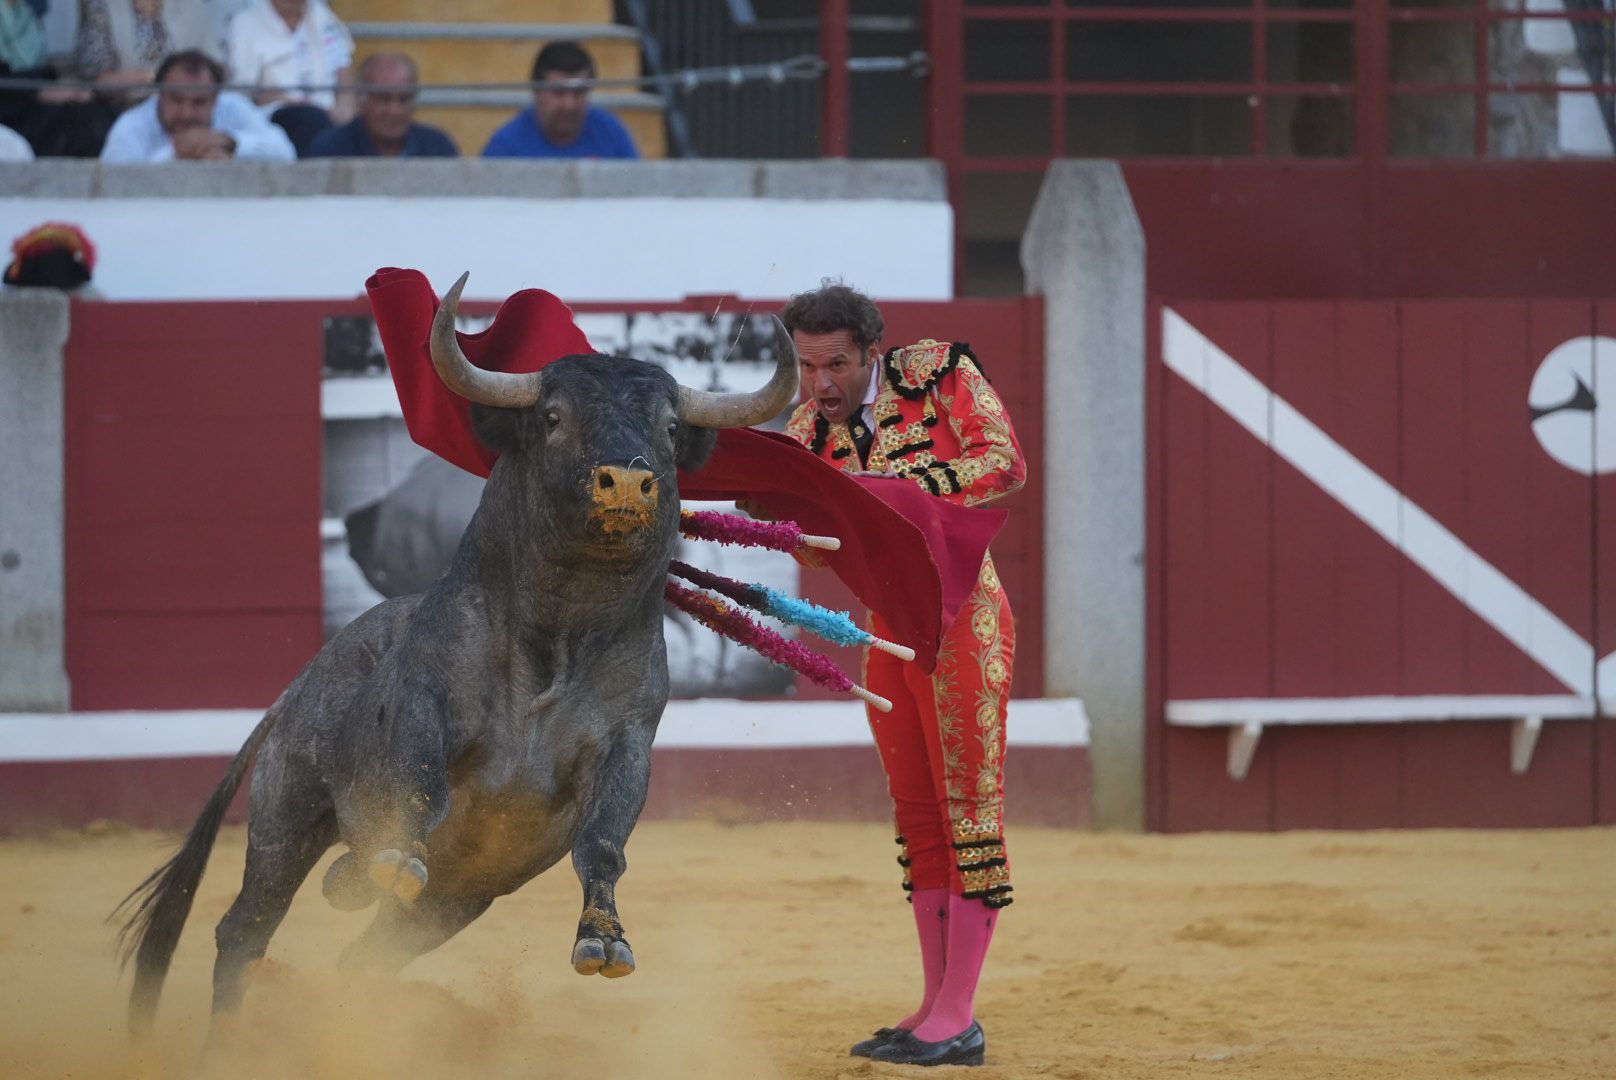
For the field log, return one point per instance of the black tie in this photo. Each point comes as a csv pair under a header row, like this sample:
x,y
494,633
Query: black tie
x,y
863,438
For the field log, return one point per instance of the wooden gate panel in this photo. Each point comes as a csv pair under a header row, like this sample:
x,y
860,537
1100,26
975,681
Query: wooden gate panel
x,y
1371,636
1604,539
1335,582
1497,453
1431,441
1227,556
1306,522
1431,398
1337,777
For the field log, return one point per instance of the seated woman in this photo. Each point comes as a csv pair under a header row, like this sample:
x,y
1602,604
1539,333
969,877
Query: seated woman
x,y
284,46
121,42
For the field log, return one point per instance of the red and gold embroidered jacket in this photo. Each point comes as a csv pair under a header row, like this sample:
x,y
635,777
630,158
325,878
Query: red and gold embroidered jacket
x,y
937,422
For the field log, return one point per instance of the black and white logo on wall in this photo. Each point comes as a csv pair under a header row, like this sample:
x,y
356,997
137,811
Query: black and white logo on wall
x,y
1565,400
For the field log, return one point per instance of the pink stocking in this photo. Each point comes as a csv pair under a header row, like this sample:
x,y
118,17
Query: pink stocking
x,y
931,919
970,931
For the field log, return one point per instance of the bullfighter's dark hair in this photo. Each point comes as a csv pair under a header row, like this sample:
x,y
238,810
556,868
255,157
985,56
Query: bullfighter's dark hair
x,y
192,62
564,57
832,307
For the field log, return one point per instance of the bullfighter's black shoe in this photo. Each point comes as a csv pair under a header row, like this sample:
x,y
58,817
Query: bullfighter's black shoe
x,y
881,1037
967,1048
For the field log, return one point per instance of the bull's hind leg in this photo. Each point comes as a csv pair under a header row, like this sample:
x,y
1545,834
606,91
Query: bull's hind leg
x,y
406,795
280,855
398,935
615,802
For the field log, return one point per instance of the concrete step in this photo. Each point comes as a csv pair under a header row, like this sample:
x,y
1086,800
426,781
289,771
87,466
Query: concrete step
x,y
495,52
554,11
471,116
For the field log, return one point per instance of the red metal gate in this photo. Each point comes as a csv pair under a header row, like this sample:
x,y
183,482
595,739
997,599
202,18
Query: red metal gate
x,y
1356,517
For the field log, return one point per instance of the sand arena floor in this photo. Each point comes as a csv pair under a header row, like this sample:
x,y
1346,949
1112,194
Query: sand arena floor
x,y
766,949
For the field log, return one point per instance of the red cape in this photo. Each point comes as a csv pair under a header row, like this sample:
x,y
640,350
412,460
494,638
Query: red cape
x,y
906,554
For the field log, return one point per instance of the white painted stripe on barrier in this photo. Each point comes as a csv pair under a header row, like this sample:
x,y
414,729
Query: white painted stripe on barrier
x,y
1475,582
1218,712
709,723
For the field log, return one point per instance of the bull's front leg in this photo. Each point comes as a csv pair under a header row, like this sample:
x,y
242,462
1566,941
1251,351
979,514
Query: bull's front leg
x,y
615,801
404,796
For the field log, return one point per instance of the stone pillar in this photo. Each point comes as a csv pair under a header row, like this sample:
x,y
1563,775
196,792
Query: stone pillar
x,y
1084,252
33,330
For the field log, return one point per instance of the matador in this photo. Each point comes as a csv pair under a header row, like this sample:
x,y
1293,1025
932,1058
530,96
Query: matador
x,y
926,412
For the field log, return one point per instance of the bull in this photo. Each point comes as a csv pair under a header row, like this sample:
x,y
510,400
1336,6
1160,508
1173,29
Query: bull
x,y
463,740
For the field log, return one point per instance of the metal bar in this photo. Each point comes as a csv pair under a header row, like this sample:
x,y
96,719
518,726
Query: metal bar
x,y
1498,88
1480,75
1259,78
1158,15
1148,89
833,46
945,110
1057,75
1373,129
1466,15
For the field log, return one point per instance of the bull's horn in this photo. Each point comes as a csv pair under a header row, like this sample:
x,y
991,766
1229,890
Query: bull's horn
x,y
467,379
702,408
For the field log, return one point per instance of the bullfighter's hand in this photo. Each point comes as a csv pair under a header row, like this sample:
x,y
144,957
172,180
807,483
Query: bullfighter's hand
x,y
752,509
809,558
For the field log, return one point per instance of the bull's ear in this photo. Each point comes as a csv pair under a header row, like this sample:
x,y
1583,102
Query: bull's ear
x,y
693,446
500,429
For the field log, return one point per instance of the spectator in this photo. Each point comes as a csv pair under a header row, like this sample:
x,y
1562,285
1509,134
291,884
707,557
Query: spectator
x,y
385,125
191,119
13,147
561,122
22,37
56,121
121,42
283,45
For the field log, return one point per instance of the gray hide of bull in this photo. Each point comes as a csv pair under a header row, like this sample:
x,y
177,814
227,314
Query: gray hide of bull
x,y
465,739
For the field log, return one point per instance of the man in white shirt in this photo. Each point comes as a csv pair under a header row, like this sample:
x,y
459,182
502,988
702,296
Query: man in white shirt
x,y
191,119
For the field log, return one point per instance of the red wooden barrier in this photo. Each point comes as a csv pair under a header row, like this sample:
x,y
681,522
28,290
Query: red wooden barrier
x,y
194,490
1272,588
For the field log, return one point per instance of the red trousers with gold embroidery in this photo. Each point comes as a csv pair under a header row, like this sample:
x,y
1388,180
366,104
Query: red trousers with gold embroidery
x,y
942,747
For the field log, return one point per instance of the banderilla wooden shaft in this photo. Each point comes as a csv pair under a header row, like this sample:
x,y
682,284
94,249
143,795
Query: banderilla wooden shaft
x,y
824,543
902,652
875,699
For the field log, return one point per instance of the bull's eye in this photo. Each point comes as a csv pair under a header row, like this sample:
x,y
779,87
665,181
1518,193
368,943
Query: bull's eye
x,y
673,427
552,418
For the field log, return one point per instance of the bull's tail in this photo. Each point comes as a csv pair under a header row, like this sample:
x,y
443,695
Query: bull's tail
x,y
155,911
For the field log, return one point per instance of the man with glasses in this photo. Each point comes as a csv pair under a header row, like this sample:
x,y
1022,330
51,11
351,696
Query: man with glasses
x,y
385,126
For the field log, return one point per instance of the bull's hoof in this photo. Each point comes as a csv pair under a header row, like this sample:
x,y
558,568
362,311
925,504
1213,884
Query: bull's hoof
x,y
345,887
588,956
619,960
402,875
592,956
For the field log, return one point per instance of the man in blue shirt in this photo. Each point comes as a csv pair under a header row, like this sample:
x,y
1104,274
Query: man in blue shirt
x,y
385,126
561,123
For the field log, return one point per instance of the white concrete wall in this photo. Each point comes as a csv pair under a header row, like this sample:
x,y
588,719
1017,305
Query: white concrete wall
x,y
583,230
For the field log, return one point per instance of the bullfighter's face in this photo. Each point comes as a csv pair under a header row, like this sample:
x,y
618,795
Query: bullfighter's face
x,y
835,372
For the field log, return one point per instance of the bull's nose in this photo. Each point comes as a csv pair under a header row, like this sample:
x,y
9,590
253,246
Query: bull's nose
x,y
624,498
623,482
